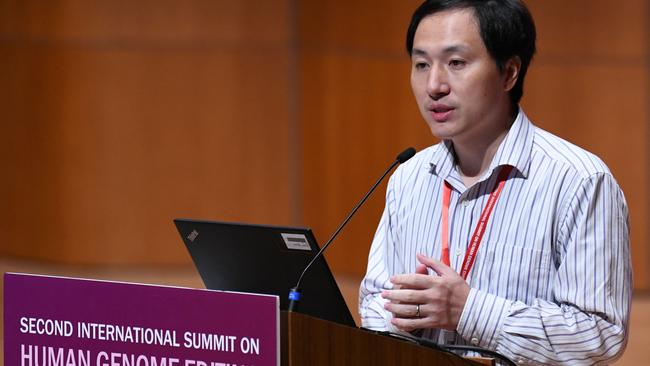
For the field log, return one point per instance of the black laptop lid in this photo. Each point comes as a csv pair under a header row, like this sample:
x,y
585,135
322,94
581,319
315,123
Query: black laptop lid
x,y
266,260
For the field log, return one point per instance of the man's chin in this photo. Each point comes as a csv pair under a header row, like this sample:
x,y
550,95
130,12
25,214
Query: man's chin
x,y
441,133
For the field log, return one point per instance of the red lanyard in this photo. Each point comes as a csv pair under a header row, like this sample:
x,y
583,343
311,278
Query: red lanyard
x,y
476,238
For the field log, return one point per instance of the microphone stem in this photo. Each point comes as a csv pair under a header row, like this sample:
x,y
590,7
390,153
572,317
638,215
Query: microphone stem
x,y
336,233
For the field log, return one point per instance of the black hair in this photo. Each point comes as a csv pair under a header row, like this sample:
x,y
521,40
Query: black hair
x,y
506,27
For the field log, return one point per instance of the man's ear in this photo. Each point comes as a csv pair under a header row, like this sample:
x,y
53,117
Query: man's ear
x,y
511,72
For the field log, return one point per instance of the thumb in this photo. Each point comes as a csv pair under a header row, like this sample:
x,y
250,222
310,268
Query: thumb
x,y
437,266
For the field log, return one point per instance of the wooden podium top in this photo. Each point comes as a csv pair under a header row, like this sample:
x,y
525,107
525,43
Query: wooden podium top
x,y
315,342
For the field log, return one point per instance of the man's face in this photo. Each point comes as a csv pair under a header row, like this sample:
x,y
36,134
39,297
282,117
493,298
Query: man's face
x,y
461,93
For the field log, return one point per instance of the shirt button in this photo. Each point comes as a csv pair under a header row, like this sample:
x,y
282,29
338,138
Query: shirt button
x,y
465,203
458,252
474,341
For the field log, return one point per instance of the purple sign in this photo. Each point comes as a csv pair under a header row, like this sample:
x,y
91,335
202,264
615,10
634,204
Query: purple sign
x,y
54,321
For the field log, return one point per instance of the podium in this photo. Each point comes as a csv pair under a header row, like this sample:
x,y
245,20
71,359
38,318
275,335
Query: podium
x,y
66,321
310,341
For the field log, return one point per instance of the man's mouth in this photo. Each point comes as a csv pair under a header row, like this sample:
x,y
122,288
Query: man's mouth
x,y
441,113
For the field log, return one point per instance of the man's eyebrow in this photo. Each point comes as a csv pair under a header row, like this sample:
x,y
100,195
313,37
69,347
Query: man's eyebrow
x,y
418,52
455,48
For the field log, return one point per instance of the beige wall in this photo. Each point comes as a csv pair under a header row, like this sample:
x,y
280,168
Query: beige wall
x,y
121,115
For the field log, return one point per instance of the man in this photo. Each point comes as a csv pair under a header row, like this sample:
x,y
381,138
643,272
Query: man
x,y
502,236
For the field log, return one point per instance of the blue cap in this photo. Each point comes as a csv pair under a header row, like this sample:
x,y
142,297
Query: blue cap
x,y
294,295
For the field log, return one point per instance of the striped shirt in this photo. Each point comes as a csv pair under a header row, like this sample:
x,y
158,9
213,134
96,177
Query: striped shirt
x,y
552,280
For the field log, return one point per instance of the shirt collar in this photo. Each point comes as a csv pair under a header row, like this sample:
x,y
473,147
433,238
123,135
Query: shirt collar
x,y
514,150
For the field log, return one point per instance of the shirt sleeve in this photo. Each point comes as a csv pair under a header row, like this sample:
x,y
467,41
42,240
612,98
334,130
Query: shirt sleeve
x,y
587,323
382,261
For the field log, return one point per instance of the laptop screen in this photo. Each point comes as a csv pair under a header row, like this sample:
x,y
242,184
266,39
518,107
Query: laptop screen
x,y
265,260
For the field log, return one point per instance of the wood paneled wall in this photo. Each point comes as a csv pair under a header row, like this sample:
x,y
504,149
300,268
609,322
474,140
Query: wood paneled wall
x,y
357,115
121,115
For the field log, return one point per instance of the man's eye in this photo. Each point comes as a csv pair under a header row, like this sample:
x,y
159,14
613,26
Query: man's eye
x,y
421,65
456,63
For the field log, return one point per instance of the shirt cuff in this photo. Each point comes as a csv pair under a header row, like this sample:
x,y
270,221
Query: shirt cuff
x,y
374,316
482,318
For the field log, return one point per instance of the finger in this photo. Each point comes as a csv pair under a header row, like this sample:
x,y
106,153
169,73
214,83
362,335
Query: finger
x,y
410,324
404,295
402,310
440,268
412,280
421,269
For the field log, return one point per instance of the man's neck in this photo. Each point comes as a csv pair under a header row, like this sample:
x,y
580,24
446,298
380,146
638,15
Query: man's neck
x,y
473,158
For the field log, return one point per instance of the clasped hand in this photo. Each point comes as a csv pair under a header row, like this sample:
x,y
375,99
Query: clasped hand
x,y
419,300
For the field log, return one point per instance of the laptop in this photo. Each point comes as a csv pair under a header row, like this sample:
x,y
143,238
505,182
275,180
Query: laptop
x,y
266,260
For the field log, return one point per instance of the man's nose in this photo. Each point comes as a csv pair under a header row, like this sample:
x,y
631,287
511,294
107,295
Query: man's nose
x,y
437,83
